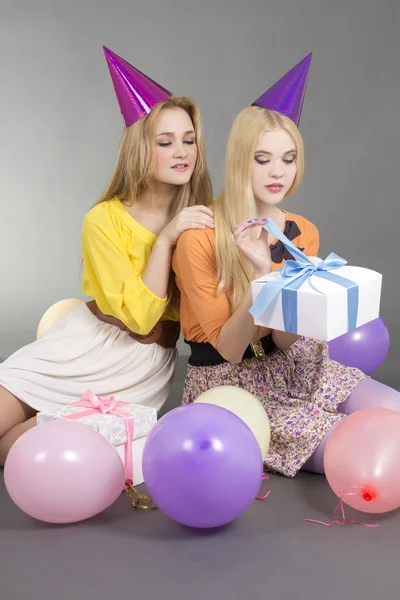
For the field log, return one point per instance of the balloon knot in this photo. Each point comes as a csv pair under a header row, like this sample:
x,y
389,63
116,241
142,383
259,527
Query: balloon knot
x,y
367,496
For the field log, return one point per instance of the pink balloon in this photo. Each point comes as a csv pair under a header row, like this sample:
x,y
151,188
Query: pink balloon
x,y
362,456
63,472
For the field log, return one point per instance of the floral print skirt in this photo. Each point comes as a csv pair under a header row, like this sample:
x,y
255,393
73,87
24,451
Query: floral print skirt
x,y
300,389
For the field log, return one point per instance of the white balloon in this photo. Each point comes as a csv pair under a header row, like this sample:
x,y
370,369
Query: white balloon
x,y
55,313
244,405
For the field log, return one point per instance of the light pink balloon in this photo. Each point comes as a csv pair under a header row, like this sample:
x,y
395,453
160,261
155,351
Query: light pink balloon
x,y
63,472
363,455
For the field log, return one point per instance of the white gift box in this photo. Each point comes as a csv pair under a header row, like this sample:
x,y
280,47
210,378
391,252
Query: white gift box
x,y
322,305
113,428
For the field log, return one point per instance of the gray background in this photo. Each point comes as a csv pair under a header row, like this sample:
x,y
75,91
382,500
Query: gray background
x,y
59,131
60,124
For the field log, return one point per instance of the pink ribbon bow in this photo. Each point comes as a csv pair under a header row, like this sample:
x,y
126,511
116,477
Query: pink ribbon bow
x,y
111,407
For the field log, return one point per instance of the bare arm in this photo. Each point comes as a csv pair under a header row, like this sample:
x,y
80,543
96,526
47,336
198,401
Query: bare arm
x,y
284,340
156,273
239,330
231,345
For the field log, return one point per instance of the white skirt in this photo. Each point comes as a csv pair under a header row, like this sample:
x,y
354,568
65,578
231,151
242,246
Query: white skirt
x,y
81,352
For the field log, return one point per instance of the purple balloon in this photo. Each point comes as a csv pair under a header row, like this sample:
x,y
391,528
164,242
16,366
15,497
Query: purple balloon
x,y
202,465
365,347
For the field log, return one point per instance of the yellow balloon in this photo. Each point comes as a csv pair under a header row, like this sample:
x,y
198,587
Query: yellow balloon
x,y
244,405
55,313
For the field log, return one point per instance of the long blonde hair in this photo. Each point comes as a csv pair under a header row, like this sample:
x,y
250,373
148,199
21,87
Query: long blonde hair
x,y
236,203
137,158
136,163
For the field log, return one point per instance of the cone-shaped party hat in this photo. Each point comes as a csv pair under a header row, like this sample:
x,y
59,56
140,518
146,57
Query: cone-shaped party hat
x,y
137,94
286,96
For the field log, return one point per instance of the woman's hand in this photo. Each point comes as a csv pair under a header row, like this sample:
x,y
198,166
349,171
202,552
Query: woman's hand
x,y
192,217
257,251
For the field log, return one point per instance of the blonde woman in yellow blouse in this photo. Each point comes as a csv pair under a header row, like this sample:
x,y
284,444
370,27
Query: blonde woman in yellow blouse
x,y
123,341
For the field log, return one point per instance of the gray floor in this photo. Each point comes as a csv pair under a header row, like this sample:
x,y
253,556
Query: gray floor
x,y
270,552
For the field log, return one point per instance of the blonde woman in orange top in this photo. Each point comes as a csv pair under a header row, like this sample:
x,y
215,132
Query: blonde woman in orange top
x,y
303,392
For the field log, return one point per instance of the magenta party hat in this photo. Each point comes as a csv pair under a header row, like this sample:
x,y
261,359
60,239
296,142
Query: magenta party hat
x,y
286,96
137,94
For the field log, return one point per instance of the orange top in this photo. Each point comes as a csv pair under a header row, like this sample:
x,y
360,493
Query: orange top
x,y
203,312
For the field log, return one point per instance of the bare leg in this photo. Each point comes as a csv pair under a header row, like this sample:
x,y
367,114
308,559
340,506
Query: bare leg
x,y
12,435
15,419
12,411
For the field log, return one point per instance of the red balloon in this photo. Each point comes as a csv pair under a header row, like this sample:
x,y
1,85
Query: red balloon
x,y
362,457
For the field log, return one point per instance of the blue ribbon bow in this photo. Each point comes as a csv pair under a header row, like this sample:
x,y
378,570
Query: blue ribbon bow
x,y
292,276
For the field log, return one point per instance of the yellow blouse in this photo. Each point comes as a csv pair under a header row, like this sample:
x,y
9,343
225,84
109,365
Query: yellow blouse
x,y
115,250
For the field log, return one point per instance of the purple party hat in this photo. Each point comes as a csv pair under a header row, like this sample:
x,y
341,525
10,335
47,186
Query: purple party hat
x,y
286,96
137,94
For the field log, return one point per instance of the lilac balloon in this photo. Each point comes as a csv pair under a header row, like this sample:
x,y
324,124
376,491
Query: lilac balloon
x,y
202,465
62,472
365,347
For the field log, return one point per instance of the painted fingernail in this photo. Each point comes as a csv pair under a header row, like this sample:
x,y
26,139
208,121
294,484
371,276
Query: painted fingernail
x,y
250,221
263,219
244,230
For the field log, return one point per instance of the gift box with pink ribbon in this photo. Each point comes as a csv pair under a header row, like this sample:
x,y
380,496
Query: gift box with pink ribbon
x,y
126,426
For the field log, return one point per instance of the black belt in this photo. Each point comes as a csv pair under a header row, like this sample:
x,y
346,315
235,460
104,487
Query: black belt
x,y
203,354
